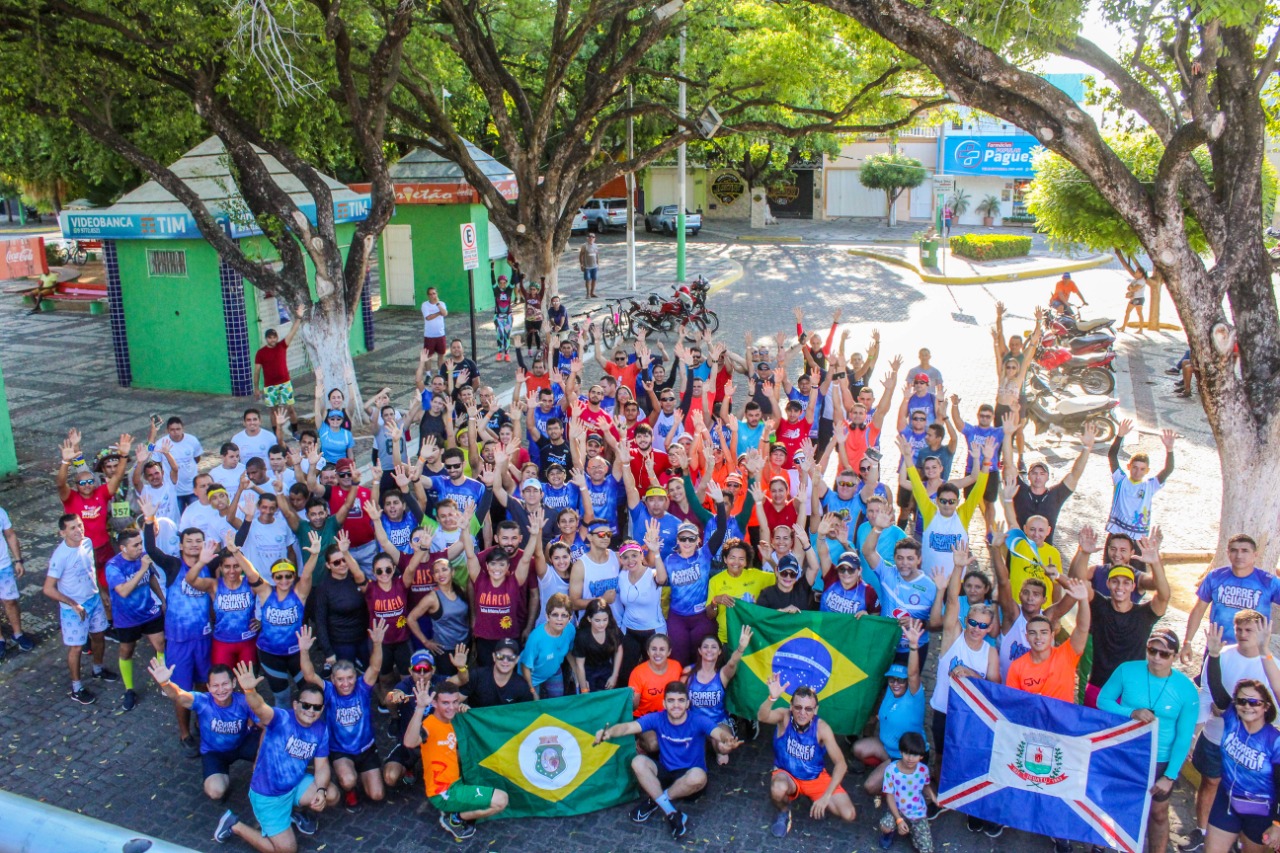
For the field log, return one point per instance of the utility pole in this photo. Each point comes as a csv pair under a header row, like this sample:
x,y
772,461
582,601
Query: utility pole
x,y
680,169
631,193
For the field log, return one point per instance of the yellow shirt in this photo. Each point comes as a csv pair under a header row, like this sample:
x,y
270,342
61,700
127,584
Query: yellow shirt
x,y
1023,564
745,587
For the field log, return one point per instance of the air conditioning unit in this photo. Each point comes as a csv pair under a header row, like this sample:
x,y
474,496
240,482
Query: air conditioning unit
x,y
709,122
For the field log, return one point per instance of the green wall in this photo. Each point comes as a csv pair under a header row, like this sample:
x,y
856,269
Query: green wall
x,y
437,253
8,455
176,325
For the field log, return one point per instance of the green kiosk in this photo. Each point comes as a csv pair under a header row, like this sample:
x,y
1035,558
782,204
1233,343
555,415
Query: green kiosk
x,y
421,245
181,318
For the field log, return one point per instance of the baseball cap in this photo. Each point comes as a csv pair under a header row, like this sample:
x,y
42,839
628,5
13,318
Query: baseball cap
x,y
764,365
502,278
508,644
531,483
1167,636
789,564
921,377
421,658
555,465
1039,464
734,478
655,492
1120,572
335,413
898,670
849,560
687,527
594,439
345,465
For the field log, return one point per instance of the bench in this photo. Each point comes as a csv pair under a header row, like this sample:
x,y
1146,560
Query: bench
x,y
71,295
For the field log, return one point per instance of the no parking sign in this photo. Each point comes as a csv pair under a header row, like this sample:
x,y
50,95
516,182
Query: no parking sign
x,y
470,254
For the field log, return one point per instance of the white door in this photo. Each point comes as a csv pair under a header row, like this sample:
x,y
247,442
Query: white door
x,y
397,262
664,189
922,200
846,196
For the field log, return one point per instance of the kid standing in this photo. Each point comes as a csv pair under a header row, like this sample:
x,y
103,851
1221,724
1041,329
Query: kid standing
x,y
906,785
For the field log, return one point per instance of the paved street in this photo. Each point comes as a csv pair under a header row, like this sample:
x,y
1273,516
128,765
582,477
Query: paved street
x,y
127,768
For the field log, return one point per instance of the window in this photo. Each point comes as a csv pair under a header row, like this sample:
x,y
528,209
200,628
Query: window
x,y
166,263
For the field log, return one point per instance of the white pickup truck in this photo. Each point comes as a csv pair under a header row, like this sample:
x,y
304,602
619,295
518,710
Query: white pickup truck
x,y
664,219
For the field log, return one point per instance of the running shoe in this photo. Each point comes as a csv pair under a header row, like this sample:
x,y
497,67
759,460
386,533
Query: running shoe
x,y
995,830
130,700
190,747
679,823
1061,845
643,810
1194,842
25,642
455,827
83,696
351,800
107,676
975,824
781,824
223,832
305,823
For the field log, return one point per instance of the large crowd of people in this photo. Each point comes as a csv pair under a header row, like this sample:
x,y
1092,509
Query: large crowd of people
x,y
592,534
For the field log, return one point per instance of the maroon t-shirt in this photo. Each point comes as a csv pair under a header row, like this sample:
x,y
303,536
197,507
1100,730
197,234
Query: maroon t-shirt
x,y
421,581
274,362
498,612
391,606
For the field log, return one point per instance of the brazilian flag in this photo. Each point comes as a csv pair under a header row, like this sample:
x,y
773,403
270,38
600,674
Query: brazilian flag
x,y
540,753
843,658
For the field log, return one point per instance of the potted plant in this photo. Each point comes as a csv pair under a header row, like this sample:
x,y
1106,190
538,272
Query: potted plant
x,y
960,204
988,209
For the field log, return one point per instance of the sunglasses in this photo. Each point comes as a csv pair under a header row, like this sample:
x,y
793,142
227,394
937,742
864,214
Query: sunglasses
x,y
505,658
788,573
974,623
457,466
1164,654
919,383
686,538
602,534
338,562
918,418
1249,702
85,482
421,669
848,570
384,571
862,469
282,576
667,399
308,706
345,475
947,501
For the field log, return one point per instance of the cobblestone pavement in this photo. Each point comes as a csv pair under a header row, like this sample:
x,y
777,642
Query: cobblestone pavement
x,y
127,768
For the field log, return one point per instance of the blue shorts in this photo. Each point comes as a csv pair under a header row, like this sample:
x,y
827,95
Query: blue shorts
x,y
274,813
1207,758
76,631
190,661
589,274
219,763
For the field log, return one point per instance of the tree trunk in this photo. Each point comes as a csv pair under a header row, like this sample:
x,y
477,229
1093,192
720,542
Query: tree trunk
x,y
1251,469
326,335
540,259
893,209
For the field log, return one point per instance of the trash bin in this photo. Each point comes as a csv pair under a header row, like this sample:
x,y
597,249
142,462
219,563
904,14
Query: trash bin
x,y
929,253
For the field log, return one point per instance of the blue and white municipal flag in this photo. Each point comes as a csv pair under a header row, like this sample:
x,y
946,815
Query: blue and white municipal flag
x,y
1047,766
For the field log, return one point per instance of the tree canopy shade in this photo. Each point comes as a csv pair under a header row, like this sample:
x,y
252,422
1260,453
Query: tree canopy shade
x,y
1195,75
892,173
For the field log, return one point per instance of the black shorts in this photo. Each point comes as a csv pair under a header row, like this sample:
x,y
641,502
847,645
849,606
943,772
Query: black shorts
x,y
1207,758
395,656
667,778
992,490
905,498
219,763
364,761
137,632
404,756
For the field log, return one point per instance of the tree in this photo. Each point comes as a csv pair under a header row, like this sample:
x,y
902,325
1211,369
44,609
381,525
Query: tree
x,y
238,72
892,173
1195,75
553,81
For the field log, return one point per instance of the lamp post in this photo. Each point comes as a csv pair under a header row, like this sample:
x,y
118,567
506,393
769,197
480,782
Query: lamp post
x,y
680,173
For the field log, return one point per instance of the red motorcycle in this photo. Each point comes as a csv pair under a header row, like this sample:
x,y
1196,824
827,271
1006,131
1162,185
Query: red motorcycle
x,y
1094,373
686,307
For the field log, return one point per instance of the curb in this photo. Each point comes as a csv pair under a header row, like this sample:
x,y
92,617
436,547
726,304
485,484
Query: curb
x,y
778,238
1021,275
727,279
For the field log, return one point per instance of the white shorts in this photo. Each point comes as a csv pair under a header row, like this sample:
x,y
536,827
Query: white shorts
x,y
8,584
75,631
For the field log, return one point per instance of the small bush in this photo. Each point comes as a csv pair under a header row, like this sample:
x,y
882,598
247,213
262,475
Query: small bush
x,y
987,247
1019,219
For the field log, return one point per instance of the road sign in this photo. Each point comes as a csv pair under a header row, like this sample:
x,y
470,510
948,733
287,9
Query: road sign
x,y
470,254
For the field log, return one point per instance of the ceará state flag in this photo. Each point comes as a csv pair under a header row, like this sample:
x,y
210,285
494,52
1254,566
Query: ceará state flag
x,y
1047,766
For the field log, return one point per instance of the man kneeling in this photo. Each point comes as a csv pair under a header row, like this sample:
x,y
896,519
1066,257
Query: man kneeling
x,y
801,744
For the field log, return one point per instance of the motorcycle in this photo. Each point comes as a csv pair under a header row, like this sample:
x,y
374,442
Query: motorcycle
x,y
1050,412
1072,325
686,307
1095,342
1094,373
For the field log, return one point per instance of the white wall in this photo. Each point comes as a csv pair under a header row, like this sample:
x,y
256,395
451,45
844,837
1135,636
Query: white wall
x,y
844,195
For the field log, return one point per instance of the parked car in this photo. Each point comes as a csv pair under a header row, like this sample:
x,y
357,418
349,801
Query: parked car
x,y
605,213
580,222
664,219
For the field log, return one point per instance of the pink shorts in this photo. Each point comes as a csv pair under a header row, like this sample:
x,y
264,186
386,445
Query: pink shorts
x,y
233,653
1091,692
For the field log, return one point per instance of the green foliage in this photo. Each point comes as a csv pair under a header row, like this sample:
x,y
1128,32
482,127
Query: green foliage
x,y
960,202
988,207
892,173
987,247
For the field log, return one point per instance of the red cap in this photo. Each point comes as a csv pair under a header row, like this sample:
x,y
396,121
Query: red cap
x,y
921,377
345,465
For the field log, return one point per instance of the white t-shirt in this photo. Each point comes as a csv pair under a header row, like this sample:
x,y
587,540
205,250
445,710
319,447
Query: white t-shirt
x,y
207,519
6,560
184,453
165,499
74,568
1235,667
941,535
433,328
1131,504
267,543
254,446
287,476
228,478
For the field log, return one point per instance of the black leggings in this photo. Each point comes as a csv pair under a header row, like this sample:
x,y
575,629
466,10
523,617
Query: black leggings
x,y
282,672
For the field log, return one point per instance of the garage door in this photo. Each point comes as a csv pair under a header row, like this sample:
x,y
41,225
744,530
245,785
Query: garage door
x,y
663,189
846,196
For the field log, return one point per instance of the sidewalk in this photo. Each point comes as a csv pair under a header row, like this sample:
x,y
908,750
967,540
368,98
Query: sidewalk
x,y
958,270
850,231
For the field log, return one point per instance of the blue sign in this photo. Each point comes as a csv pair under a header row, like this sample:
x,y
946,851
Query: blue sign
x,y
105,224
999,156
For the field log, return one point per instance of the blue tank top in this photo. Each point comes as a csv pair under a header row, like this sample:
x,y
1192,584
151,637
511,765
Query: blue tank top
x,y
604,499
350,718
837,599
280,623
708,699
689,579
1247,759
186,617
399,532
232,613
799,753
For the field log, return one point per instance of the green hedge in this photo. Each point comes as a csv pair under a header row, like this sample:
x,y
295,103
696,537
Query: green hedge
x,y
1019,219
986,247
